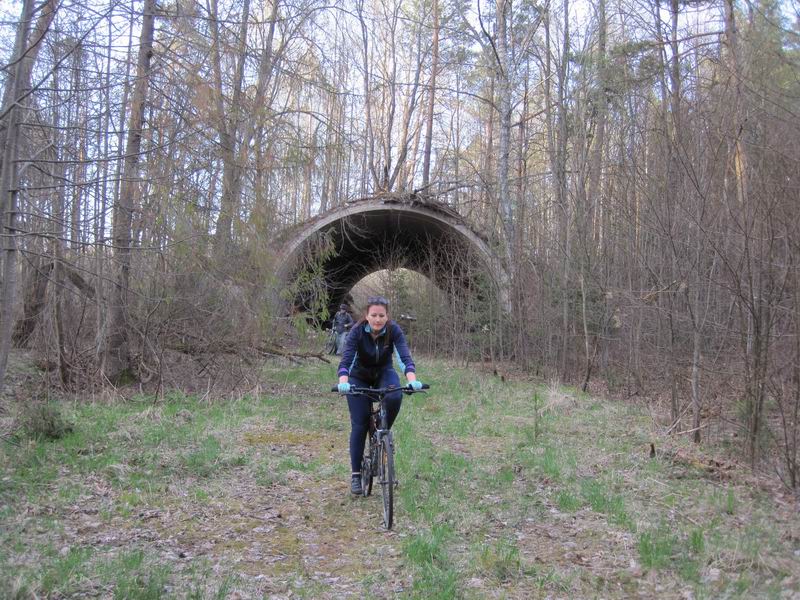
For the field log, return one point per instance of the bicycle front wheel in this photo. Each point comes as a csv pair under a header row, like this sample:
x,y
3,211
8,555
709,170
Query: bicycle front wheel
x,y
386,479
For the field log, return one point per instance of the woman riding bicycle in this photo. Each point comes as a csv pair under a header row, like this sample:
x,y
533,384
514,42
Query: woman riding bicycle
x,y
367,362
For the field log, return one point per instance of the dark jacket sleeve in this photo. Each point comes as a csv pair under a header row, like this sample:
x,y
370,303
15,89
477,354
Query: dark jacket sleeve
x,y
402,351
349,352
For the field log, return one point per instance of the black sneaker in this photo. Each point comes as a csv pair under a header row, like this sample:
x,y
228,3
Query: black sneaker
x,y
355,485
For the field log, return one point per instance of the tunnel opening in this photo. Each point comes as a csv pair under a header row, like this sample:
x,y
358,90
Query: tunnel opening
x,y
451,321
362,234
448,273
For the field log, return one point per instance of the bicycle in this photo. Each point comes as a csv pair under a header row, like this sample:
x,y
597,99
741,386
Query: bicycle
x,y
378,459
330,343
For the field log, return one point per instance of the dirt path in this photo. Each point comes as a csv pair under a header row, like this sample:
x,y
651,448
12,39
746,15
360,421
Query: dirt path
x,y
305,534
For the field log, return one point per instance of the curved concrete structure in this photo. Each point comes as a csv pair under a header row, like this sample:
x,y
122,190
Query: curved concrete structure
x,y
378,233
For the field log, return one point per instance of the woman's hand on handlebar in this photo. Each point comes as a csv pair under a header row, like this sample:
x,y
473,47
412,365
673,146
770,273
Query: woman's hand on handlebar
x,y
344,387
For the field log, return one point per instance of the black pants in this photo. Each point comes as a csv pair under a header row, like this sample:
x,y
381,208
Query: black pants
x,y
359,412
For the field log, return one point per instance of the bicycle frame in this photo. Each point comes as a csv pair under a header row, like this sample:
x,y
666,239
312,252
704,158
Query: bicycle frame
x,y
378,418
378,396
379,459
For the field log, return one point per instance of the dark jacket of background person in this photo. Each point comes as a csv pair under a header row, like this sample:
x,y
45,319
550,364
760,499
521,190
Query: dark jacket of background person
x,y
341,320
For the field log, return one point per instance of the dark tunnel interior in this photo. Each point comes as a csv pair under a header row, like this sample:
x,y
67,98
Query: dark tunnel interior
x,y
367,242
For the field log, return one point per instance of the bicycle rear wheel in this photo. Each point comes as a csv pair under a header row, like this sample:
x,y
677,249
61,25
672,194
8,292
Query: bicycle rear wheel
x,y
386,479
330,345
367,470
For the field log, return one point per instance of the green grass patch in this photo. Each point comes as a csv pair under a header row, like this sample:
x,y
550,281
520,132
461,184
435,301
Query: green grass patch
x,y
267,475
656,547
550,463
501,560
427,554
203,461
60,576
428,547
133,577
697,541
602,500
567,501
45,420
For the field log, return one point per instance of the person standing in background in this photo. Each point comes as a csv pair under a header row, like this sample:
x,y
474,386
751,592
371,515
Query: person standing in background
x,y
342,321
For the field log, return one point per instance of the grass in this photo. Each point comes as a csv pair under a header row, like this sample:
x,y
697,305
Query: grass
x,y
427,554
566,501
135,578
550,464
63,571
508,489
656,548
501,560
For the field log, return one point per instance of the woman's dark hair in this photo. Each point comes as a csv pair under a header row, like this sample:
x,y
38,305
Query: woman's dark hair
x,y
377,301
374,301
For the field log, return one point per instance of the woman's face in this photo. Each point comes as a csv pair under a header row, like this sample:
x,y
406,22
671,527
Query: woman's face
x,y
377,315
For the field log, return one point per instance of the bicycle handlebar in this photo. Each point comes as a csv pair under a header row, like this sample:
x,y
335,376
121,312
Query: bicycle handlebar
x,y
407,389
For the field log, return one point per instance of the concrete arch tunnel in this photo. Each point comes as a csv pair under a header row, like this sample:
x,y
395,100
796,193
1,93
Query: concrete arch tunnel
x,y
390,232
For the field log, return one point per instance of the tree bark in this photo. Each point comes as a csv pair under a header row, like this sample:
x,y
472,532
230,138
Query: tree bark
x,y
560,182
368,168
599,140
426,154
34,302
116,364
504,142
18,84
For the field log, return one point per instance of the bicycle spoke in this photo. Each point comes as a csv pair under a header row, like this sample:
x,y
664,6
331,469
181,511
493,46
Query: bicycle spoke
x,y
368,468
387,480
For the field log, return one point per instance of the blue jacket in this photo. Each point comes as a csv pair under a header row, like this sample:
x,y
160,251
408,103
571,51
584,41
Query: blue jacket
x,y
364,357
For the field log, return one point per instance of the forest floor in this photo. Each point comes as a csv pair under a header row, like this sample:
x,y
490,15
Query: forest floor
x,y
508,489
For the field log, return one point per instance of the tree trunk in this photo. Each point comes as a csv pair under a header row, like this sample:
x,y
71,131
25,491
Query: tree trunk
x,y
560,182
18,84
586,345
31,53
227,126
696,404
103,310
599,141
61,229
369,145
504,142
408,113
117,359
236,151
34,302
81,132
426,154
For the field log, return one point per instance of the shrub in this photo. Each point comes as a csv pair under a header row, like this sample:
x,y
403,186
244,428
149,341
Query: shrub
x,y
45,419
